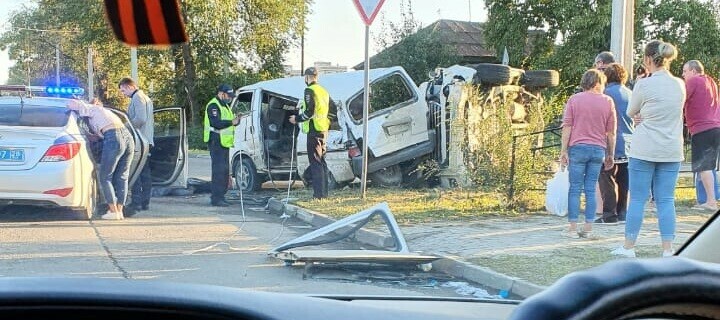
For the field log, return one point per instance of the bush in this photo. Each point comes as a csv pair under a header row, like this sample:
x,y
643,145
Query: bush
x,y
491,138
195,138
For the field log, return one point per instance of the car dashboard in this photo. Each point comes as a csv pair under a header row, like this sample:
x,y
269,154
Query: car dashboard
x,y
108,299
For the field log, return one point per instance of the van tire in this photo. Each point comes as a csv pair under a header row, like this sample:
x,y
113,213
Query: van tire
x,y
492,74
391,176
540,79
245,175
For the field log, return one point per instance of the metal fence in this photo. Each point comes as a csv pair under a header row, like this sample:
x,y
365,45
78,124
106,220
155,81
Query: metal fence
x,y
549,142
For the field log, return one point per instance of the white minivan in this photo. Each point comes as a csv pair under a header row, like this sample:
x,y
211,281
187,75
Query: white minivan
x,y
266,143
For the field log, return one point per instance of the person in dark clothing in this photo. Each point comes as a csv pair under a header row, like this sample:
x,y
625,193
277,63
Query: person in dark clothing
x,y
140,112
614,181
315,122
219,133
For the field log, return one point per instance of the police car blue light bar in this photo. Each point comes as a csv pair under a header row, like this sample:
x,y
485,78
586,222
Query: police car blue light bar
x,y
64,90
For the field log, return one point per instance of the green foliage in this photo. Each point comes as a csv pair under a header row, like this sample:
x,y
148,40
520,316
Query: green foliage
x,y
232,41
195,138
693,26
417,50
567,34
494,142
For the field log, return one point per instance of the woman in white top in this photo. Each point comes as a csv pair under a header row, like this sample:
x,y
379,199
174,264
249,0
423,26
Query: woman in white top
x,y
117,154
656,149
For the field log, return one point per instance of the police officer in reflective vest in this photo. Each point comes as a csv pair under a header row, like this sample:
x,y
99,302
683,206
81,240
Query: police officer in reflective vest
x,y
219,134
314,121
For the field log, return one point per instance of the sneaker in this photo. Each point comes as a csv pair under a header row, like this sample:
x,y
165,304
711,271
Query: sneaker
x,y
221,203
621,251
130,211
705,206
572,234
607,221
589,235
667,254
112,216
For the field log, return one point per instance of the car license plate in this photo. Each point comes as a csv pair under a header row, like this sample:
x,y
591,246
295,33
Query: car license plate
x,y
14,155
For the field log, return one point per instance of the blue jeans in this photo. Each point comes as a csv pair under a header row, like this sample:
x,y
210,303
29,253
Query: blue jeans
x,y
662,178
585,162
118,148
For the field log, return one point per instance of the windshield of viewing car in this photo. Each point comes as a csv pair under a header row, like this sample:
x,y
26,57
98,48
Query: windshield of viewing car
x,y
27,115
504,148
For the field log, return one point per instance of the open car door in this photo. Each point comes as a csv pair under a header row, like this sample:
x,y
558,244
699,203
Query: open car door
x,y
168,157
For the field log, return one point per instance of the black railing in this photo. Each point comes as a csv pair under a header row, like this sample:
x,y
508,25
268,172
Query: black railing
x,y
553,141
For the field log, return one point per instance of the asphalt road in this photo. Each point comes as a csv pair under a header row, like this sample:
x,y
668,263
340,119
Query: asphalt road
x,y
182,239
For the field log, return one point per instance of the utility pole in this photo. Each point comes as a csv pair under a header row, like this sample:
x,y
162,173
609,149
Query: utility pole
x,y
469,11
622,32
91,76
57,65
302,53
134,65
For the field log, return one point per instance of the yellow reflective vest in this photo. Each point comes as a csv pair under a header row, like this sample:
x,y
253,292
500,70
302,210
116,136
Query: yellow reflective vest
x,y
227,135
320,119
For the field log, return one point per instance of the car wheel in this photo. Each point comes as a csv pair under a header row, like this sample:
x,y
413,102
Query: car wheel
x,y
493,74
246,177
391,176
91,202
540,78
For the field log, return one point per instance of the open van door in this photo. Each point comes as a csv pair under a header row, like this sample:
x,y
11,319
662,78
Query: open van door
x,y
168,157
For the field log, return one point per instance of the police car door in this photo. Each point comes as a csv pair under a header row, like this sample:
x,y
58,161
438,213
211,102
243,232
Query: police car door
x,y
397,115
168,157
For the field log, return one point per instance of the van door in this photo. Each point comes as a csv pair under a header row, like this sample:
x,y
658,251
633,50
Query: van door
x,y
168,157
397,115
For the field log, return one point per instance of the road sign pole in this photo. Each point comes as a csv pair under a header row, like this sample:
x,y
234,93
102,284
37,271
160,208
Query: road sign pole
x,y
368,9
366,111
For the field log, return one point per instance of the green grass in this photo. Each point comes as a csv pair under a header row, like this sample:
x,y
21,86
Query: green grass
x,y
548,267
194,152
410,205
437,205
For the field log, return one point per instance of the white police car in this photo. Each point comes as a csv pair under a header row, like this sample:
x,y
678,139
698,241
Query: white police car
x,y
48,156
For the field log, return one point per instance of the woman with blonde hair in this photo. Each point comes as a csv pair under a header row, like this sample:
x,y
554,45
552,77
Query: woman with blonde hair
x,y
657,146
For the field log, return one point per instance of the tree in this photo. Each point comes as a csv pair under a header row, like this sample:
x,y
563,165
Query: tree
x,y
221,32
408,45
575,31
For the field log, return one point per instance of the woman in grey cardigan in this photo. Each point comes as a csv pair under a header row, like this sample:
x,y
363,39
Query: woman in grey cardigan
x,y
657,147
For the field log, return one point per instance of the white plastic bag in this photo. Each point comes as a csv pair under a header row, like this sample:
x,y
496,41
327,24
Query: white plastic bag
x,y
556,195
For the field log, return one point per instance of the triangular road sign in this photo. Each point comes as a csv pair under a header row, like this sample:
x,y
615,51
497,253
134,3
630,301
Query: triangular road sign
x,y
368,9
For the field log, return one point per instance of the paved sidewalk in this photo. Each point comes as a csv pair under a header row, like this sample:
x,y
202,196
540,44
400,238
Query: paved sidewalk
x,y
531,235
517,254
533,249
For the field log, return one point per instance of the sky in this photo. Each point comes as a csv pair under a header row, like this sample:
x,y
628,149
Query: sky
x,y
336,32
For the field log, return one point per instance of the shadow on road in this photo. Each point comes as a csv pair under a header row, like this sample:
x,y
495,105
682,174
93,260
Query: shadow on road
x,y
14,213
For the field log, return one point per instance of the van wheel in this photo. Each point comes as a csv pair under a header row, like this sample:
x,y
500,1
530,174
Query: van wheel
x,y
493,74
540,79
391,176
246,177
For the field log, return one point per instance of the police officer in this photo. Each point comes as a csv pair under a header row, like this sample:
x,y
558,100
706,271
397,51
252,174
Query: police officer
x,y
315,123
219,134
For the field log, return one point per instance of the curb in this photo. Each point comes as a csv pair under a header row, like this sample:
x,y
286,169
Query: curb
x,y
451,265
199,155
